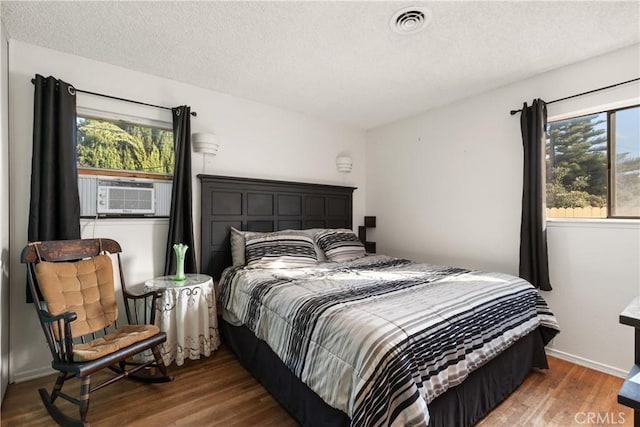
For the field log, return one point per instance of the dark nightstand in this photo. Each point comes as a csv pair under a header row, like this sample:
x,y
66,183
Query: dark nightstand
x,y
629,394
369,222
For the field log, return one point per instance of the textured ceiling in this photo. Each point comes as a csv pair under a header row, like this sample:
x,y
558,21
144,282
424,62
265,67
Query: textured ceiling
x,y
333,60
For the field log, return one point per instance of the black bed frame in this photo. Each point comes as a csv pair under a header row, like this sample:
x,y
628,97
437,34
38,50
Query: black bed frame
x,y
266,205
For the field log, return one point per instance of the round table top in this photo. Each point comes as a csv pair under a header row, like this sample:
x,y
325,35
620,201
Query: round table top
x,y
166,282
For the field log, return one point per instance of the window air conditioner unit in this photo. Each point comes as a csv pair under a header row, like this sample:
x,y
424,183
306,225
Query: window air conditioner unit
x,y
125,197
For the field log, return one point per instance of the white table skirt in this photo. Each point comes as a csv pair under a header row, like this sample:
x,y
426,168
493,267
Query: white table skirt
x,y
187,313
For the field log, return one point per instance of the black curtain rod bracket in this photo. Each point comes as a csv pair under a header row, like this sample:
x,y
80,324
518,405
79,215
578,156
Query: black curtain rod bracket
x,y
513,112
193,113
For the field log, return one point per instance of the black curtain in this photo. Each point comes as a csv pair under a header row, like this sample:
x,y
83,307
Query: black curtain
x,y
181,218
534,263
54,209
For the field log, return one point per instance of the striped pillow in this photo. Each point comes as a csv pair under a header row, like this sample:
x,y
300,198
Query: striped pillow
x,y
340,245
238,241
280,249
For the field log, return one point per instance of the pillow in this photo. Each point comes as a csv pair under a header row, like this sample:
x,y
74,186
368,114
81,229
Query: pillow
x,y
238,242
238,239
340,245
311,232
281,249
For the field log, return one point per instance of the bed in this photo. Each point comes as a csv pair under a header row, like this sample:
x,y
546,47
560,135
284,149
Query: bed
x,y
361,340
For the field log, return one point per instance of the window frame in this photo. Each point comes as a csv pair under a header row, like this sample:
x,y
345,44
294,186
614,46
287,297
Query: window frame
x,y
610,114
611,164
88,113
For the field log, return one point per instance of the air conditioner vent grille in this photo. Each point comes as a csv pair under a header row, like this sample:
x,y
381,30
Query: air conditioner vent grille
x,y
125,197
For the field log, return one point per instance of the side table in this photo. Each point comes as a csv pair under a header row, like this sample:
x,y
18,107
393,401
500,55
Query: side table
x,y
187,313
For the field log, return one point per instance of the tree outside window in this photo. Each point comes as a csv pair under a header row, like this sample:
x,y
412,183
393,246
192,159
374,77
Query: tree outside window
x,y
593,165
112,146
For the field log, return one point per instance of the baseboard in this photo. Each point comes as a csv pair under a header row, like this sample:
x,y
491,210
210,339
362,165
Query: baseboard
x,y
616,372
31,374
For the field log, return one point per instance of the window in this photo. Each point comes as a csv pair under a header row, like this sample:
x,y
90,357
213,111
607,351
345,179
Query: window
x,y
120,148
125,169
593,165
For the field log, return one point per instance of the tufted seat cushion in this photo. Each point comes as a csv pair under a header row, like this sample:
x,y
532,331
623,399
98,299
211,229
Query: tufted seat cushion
x,y
85,287
113,341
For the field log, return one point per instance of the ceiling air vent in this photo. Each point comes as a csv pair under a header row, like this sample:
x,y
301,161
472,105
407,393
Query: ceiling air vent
x,y
410,20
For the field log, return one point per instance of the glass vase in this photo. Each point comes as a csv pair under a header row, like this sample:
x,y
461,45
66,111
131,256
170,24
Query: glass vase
x,y
180,250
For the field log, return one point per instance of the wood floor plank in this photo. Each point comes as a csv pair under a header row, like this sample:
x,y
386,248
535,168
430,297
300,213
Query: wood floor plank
x,y
218,391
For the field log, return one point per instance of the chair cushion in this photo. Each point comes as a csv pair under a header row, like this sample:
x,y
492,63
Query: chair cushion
x,y
85,287
113,341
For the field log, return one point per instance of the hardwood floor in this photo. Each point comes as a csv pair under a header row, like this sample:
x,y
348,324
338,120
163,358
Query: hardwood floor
x,y
217,391
564,395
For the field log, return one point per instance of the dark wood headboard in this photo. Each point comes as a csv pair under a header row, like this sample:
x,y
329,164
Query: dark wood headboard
x,y
264,205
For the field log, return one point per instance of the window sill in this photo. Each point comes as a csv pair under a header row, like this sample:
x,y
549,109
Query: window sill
x,y
630,224
124,221
124,174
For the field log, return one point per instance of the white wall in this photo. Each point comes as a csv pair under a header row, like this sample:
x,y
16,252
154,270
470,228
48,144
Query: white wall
x,y
256,140
4,212
446,188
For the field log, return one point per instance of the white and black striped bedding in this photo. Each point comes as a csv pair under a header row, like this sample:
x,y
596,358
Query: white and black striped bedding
x,y
380,337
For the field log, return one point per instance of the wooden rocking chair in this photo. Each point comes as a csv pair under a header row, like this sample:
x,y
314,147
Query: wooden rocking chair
x,y
77,283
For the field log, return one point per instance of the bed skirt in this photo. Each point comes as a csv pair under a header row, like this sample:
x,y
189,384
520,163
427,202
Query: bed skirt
x,y
463,405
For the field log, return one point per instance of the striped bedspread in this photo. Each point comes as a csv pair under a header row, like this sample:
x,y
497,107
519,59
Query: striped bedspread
x,y
380,337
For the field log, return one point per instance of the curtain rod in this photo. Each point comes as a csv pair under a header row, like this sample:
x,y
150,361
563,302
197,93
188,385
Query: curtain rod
x,y
512,112
193,113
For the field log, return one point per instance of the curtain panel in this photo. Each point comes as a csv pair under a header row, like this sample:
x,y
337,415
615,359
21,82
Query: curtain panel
x,y
54,207
534,263
180,217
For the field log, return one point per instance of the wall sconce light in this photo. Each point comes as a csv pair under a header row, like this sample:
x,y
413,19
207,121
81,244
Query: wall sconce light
x,y
344,164
206,143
